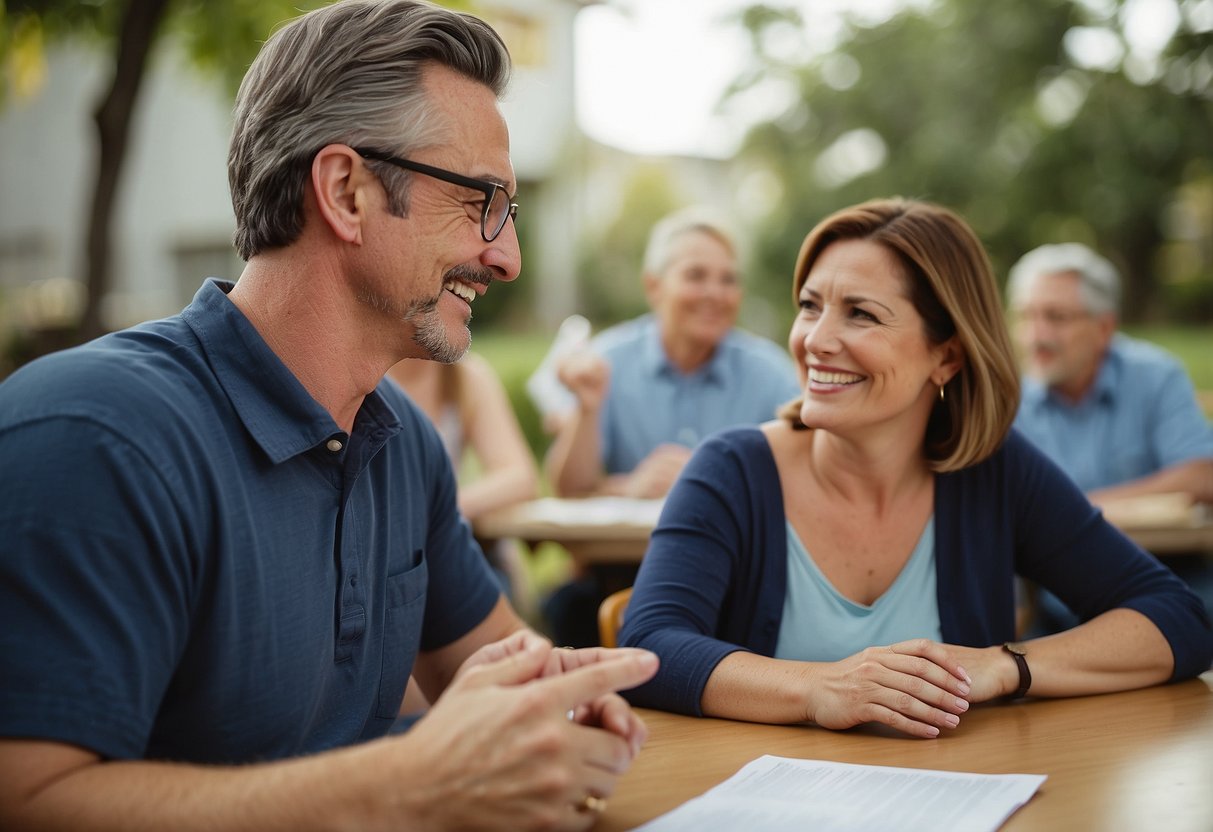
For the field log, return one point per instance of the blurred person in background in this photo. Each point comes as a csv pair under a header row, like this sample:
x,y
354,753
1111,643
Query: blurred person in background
x,y
469,406
649,390
226,540
854,561
1118,414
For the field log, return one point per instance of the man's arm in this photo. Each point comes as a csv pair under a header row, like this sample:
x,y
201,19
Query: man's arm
x,y
574,462
434,669
494,753
1193,477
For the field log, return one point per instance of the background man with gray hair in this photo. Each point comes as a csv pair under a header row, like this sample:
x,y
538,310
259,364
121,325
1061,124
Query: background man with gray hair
x,y
648,390
226,541
1119,415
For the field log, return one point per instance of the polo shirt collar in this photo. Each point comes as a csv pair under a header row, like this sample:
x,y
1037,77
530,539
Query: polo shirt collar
x,y
655,362
273,405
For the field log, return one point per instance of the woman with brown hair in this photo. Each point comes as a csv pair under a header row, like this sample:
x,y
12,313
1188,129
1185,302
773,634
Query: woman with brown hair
x,y
855,560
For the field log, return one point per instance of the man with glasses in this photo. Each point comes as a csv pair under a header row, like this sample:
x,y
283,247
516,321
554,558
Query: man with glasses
x,y
226,542
1119,415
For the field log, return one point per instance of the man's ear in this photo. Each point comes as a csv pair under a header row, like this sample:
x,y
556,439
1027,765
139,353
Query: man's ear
x,y
339,181
652,288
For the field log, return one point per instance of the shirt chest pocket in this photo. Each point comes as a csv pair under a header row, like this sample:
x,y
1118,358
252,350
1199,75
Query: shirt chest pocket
x,y
404,612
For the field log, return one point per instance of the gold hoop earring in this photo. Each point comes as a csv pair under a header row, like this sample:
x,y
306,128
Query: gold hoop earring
x,y
941,398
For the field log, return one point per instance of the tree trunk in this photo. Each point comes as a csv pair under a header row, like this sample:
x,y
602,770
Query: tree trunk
x,y
1140,300
113,118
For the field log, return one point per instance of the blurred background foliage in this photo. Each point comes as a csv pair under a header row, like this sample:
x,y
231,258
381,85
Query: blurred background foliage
x,y
1037,120
221,36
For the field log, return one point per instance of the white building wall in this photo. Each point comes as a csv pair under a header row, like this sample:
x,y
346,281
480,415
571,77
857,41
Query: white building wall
x,y
173,219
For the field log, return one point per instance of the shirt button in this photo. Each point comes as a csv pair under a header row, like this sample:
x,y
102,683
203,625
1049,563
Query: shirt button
x,y
333,445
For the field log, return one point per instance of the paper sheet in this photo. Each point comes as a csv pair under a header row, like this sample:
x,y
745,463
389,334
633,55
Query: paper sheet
x,y
594,511
778,793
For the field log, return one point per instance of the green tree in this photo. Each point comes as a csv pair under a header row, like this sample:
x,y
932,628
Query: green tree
x,y
1035,120
221,35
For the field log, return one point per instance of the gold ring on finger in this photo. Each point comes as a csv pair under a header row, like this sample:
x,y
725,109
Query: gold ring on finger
x,y
591,803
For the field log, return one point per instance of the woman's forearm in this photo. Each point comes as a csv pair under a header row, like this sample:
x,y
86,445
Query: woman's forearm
x,y
1118,650
755,688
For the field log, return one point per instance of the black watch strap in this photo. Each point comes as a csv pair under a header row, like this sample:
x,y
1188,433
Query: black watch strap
x,y
1021,661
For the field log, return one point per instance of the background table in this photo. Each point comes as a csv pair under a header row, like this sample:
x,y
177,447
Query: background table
x,y
616,530
594,530
1141,760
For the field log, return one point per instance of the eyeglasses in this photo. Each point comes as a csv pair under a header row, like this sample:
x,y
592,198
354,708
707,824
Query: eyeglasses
x,y
1057,318
497,206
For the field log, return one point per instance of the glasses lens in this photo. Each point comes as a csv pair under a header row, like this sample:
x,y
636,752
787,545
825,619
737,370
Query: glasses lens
x,y
496,211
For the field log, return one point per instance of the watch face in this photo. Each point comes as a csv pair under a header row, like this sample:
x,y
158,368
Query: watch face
x,y
1015,648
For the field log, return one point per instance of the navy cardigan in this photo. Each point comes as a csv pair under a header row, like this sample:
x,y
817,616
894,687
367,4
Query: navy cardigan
x,y
714,578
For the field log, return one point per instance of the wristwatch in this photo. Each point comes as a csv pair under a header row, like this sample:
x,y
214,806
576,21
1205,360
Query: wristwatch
x,y
1025,676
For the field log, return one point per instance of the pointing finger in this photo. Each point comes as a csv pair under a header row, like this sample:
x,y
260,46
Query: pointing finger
x,y
626,669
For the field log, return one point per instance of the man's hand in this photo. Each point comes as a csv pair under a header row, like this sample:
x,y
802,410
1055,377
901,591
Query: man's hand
x,y
501,751
588,376
657,472
609,712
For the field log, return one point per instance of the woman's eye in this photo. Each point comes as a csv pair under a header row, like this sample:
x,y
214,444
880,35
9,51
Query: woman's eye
x,y
863,313
807,305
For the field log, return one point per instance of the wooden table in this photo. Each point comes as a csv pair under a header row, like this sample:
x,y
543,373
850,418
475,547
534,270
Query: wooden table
x,y
594,530
615,530
1141,760
1164,524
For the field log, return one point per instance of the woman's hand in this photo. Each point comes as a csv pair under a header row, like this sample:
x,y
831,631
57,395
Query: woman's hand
x,y
992,671
917,687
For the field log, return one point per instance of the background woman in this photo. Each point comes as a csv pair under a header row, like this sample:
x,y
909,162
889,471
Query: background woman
x,y
468,404
892,506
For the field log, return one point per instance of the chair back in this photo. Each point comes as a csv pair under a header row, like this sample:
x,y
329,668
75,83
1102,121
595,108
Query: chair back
x,y
610,616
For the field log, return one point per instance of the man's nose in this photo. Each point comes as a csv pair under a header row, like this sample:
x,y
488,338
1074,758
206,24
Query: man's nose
x,y
503,256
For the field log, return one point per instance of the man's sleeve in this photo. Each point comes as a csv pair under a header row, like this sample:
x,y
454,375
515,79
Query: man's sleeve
x,y
94,590
1180,431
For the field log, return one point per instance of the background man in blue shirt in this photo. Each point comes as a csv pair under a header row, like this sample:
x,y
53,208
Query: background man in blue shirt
x,y
1119,415
225,541
647,391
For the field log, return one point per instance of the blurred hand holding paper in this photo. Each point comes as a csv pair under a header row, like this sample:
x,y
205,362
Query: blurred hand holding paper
x,y
549,395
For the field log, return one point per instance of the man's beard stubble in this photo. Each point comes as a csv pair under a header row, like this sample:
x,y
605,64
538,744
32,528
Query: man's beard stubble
x,y
429,333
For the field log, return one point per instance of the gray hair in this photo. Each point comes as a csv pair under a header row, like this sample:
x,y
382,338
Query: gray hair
x,y
1098,279
349,73
668,229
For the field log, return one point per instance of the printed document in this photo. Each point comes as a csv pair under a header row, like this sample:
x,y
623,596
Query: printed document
x,y
779,793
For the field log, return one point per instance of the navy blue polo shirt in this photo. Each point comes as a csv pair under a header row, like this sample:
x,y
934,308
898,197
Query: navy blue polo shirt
x,y
197,564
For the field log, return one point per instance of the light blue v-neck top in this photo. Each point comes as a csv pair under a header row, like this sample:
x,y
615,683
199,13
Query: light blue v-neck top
x,y
821,625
